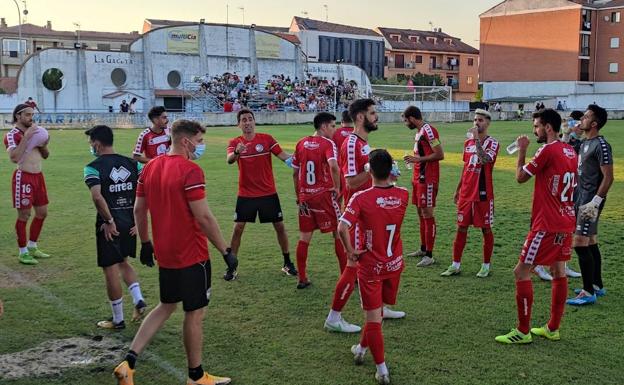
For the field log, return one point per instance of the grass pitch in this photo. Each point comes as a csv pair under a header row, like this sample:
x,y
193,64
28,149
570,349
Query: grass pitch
x,y
260,330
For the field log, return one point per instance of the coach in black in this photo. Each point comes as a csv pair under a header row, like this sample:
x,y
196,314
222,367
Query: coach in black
x,y
595,176
112,180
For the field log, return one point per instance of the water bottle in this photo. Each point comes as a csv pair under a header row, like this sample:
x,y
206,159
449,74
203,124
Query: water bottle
x,y
512,148
408,165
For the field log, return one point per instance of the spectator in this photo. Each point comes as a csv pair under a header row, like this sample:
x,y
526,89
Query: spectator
x,y
131,106
236,106
228,106
124,106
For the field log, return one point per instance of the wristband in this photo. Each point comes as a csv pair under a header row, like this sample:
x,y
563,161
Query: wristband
x,y
110,221
597,200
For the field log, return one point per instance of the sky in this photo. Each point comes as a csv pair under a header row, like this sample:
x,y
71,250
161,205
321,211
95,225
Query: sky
x,y
458,18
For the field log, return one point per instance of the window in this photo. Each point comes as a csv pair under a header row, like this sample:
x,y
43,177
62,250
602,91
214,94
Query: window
x,y
418,59
11,47
103,47
613,68
469,80
385,61
615,17
399,61
396,38
118,77
584,45
470,61
414,39
615,42
584,75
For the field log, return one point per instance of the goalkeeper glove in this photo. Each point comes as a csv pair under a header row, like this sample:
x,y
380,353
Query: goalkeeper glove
x,y
147,254
589,211
232,264
289,161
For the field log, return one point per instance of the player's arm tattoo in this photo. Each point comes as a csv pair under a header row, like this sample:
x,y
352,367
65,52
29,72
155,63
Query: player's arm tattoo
x,y
481,154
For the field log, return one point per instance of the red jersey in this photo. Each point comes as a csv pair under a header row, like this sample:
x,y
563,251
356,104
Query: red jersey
x,y
476,182
168,183
340,135
311,158
353,156
554,167
378,213
255,167
13,138
152,144
426,139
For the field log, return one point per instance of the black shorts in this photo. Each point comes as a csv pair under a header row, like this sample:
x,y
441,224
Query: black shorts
x,y
115,251
189,285
268,209
586,228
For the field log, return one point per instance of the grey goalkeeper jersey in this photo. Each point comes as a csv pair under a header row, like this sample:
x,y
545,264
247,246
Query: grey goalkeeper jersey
x,y
593,153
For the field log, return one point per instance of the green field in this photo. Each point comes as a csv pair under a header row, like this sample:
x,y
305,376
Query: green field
x,y
259,329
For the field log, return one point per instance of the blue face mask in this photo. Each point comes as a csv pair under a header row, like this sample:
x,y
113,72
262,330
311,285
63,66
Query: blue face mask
x,y
199,151
571,123
92,150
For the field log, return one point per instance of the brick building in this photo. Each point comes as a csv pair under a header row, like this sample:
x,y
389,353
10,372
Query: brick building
x,y
554,49
433,53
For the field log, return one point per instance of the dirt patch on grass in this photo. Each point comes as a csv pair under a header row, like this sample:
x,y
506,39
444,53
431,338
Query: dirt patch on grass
x,y
52,357
10,279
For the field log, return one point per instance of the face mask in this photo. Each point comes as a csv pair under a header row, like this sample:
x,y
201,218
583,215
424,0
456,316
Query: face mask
x,y
92,150
199,151
573,135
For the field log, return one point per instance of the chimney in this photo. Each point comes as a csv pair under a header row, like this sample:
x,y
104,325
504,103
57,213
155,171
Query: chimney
x,y
49,25
3,23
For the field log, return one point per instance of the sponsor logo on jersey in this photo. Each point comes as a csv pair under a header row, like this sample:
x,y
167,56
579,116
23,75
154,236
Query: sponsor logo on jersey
x,y
366,150
388,202
345,133
569,152
259,148
311,145
159,139
119,176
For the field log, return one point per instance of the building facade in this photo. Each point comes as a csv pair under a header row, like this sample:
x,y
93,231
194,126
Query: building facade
x,y
409,52
36,38
325,42
554,49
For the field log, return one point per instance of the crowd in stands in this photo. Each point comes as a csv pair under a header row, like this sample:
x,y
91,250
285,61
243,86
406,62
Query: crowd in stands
x,y
279,93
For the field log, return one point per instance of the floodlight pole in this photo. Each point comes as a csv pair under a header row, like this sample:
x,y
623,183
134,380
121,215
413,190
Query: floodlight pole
x,y
19,29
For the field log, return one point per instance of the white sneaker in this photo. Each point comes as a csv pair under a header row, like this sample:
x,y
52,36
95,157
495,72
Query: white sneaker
x,y
426,261
392,314
418,253
342,326
542,273
571,273
382,379
358,354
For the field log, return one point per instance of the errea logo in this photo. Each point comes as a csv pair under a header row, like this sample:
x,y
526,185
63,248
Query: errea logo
x,y
120,174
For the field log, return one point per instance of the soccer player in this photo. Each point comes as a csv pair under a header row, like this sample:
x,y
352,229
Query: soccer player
x,y
345,129
428,153
172,189
153,141
317,183
552,222
474,195
112,180
353,161
595,176
257,195
27,145
379,212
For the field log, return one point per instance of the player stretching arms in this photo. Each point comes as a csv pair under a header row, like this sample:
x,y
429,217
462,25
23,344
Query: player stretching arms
x,y
153,141
552,222
379,212
317,183
475,193
27,145
426,159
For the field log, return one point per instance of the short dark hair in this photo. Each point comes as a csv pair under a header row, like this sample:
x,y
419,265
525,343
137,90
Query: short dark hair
x,y
184,127
600,114
380,162
360,105
101,133
346,118
242,112
413,112
323,118
18,110
155,112
549,116
576,114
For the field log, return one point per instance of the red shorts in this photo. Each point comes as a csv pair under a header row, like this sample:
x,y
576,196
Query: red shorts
x,y
29,190
424,194
477,214
320,212
374,293
544,248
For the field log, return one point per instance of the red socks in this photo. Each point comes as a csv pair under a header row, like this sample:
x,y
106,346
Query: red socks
x,y
488,246
458,245
35,228
341,254
430,233
302,258
557,305
524,301
20,230
423,230
375,341
344,288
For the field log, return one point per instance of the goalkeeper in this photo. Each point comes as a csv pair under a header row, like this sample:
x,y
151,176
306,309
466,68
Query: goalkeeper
x,y
595,176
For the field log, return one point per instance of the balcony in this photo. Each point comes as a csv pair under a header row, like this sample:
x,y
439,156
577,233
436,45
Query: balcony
x,y
444,68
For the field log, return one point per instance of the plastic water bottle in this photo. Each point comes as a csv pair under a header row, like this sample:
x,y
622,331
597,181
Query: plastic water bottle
x,y
408,165
469,135
512,148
